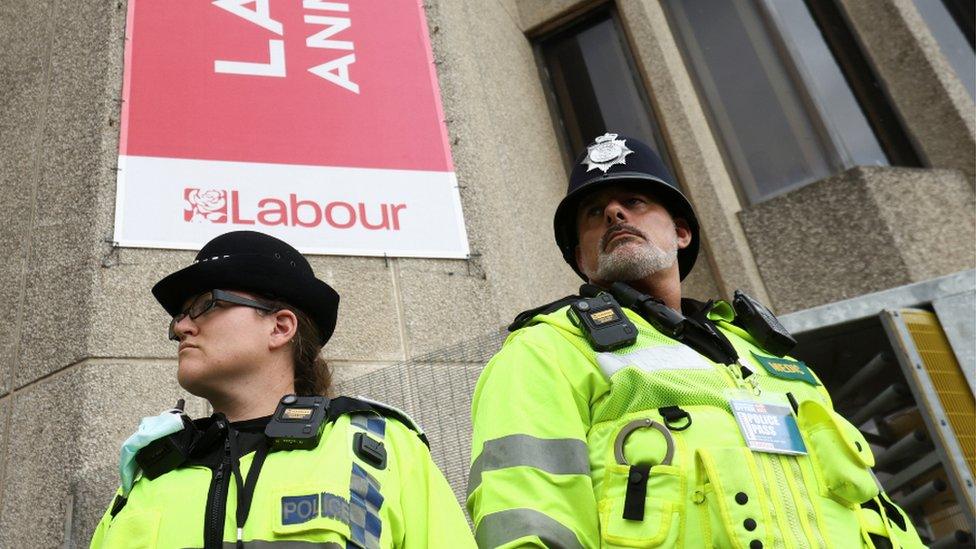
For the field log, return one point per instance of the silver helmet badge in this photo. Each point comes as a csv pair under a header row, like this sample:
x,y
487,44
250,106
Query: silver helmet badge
x,y
606,151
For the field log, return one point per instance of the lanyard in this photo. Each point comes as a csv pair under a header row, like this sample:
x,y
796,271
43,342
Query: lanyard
x,y
245,487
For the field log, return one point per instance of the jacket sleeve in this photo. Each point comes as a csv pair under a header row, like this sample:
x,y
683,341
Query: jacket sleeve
x,y
530,483
431,514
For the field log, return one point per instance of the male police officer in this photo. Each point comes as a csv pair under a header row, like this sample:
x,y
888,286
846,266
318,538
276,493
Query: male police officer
x,y
611,419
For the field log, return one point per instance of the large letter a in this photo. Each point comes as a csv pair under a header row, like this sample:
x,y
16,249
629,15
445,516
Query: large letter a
x,y
337,72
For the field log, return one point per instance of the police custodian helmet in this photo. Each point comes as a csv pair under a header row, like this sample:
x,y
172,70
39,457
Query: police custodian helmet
x,y
250,261
613,160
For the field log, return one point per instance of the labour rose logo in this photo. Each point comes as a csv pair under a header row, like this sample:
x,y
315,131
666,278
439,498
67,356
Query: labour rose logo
x,y
205,205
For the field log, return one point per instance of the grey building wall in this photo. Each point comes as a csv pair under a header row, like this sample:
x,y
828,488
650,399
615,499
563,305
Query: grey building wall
x,y
83,353
821,243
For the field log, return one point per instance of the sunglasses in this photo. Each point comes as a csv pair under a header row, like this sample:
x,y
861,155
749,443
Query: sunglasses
x,y
206,301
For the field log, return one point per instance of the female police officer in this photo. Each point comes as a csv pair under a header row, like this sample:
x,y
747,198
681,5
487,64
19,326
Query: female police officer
x,y
277,463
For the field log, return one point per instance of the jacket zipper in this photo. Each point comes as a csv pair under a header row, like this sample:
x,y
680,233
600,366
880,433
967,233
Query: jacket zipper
x,y
213,533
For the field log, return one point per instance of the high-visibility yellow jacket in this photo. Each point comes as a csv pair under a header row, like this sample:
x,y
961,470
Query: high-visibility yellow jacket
x,y
548,410
324,497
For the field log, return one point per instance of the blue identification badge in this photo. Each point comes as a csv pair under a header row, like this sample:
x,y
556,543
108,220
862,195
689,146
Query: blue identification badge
x,y
768,424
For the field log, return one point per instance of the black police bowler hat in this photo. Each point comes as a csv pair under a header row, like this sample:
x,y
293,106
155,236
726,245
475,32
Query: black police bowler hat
x,y
613,160
250,261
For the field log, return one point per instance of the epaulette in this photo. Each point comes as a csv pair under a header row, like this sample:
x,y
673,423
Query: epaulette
x,y
342,405
525,316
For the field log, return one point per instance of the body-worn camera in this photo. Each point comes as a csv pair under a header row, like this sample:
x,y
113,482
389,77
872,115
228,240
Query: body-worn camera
x,y
606,326
297,423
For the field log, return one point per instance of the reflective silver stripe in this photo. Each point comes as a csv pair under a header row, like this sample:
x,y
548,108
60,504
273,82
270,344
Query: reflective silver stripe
x,y
403,416
284,544
651,359
373,424
505,526
560,456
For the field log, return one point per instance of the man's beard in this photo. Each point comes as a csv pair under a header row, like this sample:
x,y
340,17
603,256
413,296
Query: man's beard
x,y
632,260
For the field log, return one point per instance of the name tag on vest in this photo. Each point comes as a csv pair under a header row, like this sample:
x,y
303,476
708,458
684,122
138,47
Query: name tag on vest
x,y
785,368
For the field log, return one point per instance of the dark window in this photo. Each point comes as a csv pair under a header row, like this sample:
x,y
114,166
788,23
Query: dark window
x,y
594,85
789,95
951,22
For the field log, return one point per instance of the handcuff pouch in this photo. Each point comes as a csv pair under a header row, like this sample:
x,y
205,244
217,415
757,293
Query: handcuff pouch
x,y
660,506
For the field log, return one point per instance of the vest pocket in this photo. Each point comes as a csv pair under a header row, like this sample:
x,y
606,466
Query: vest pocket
x,y
736,511
133,529
662,508
841,456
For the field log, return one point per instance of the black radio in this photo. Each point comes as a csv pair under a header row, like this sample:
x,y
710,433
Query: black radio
x,y
297,423
762,324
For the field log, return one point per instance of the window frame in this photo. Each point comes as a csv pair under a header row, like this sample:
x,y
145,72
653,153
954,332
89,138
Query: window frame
x,y
599,10
875,102
865,85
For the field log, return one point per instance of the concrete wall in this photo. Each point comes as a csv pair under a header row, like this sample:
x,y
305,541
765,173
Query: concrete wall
x,y
820,243
83,353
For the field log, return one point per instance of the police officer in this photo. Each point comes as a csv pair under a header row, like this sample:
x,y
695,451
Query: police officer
x,y
277,463
628,417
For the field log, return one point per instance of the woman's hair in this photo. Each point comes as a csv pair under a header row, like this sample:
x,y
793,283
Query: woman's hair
x,y
313,376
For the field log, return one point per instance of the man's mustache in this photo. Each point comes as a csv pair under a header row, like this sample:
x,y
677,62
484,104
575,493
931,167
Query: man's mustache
x,y
616,230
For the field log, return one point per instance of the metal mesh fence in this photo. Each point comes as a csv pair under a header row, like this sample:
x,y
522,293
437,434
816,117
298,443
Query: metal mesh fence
x,y
435,389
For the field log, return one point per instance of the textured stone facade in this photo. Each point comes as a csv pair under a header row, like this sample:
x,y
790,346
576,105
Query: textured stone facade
x,y
821,243
83,353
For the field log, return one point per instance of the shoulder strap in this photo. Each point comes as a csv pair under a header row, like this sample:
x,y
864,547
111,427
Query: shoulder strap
x,y
343,405
524,317
690,307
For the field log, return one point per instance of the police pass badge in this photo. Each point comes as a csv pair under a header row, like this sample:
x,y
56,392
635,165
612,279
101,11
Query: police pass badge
x,y
606,151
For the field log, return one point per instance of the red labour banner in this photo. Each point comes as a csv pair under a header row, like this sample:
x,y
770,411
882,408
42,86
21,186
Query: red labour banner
x,y
335,102
179,107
